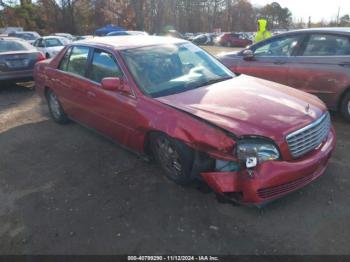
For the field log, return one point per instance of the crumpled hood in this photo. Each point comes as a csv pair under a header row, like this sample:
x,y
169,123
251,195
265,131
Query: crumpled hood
x,y
250,106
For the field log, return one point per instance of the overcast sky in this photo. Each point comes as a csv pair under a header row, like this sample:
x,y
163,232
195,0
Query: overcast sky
x,y
317,9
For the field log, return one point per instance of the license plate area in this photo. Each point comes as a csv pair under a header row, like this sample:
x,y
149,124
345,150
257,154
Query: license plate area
x,y
17,63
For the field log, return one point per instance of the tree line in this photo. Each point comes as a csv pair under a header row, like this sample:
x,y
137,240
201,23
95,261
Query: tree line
x,y
153,16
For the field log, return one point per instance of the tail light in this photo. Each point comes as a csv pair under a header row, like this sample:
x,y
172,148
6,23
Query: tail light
x,y
40,57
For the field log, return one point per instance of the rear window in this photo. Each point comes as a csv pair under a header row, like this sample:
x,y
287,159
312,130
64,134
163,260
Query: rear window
x,y
52,42
11,45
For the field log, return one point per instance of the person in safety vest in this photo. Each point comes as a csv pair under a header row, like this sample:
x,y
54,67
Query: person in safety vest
x,y
262,32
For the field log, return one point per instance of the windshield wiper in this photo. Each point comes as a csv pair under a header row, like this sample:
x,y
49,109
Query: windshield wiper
x,y
215,80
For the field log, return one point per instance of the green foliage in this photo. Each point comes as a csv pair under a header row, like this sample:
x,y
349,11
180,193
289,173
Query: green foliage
x,y
278,17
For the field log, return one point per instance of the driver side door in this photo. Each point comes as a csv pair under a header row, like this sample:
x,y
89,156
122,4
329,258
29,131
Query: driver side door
x,y
271,58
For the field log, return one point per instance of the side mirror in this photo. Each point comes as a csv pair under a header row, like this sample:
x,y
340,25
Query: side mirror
x,y
248,55
115,84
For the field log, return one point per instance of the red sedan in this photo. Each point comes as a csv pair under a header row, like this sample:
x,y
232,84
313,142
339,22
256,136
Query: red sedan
x,y
316,61
249,139
233,39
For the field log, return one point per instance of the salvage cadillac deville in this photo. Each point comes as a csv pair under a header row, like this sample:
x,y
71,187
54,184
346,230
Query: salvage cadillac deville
x,y
249,139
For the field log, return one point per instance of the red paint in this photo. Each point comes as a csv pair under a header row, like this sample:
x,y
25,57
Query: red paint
x,y
327,77
232,39
202,118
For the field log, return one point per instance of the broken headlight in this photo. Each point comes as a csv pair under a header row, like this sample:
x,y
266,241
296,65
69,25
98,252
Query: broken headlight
x,y
254,151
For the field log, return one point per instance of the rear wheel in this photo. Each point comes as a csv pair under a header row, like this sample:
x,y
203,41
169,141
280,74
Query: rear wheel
x,y
345,107
174,157
56,109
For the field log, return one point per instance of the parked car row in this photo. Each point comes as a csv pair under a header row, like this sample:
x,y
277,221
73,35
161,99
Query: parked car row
x,y
18,64
251,140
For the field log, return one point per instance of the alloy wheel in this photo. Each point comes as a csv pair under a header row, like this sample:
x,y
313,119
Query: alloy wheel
x,y
169,157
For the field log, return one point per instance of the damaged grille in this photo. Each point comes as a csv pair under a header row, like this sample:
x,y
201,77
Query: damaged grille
x,y
310,137
284,188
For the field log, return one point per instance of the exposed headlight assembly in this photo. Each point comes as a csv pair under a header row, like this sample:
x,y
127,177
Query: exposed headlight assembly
x,y
254,151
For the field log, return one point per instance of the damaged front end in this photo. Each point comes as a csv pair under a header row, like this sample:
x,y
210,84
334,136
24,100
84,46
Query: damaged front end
x,y
249,152
260,174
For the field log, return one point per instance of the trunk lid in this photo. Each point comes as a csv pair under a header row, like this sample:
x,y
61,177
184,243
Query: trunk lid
x,y
21,60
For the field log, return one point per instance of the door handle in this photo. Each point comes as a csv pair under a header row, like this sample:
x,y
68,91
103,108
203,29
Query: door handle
x,y
91,94
280,62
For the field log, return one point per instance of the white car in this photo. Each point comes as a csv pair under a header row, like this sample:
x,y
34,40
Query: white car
x,y
51,45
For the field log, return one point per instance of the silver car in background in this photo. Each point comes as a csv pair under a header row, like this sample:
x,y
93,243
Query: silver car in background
x,y
50,46
17,59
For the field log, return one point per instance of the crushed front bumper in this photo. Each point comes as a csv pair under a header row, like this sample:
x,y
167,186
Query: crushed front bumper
x,y
273,179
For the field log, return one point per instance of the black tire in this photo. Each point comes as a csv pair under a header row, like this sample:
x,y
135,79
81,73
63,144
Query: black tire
x,y
345,107
56,109
174,157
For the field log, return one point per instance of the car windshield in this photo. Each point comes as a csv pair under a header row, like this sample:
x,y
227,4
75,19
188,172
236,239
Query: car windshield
x,y
170,69
9,46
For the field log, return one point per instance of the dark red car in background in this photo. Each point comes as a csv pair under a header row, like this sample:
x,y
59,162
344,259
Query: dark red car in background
x,y
316,61
249,139
233,40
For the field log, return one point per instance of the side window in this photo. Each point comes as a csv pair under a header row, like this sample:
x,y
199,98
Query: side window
x,y
77,60
283,46
103,65
327,45
64,62
39,43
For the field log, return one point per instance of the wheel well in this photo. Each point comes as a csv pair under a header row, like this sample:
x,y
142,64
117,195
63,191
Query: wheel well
x,y
201,161
342,96
147,141
46,90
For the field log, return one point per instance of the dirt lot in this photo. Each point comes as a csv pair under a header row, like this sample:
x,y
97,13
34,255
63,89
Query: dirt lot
x,y
67,190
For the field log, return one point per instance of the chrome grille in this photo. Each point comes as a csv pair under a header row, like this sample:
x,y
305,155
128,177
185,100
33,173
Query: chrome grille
x,y
310,137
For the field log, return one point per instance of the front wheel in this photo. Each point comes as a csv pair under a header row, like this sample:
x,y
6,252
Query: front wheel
x,y
56,109
174,157
345,107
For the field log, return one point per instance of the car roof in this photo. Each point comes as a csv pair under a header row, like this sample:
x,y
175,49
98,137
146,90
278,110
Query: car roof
x,y
130,41
53,36
342,30
26,32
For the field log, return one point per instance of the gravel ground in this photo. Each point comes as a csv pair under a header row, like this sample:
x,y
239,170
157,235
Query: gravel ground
x,y
67,190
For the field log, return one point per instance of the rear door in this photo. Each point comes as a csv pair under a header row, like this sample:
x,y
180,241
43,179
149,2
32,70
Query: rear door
x,y
322,67
271,58
71,83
